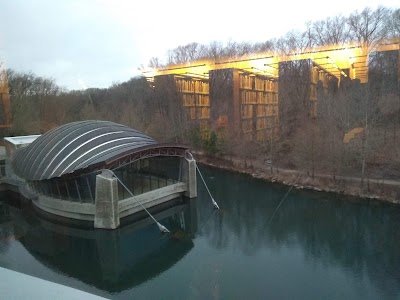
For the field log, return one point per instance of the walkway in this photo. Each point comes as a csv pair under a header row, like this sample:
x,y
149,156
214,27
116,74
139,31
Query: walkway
x,y
15,285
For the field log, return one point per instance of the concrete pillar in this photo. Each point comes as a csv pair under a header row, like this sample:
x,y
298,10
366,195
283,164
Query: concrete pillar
x,y
106,204
189,177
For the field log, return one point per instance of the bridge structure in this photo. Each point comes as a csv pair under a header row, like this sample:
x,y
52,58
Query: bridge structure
x,y
66,172
246,94
5,106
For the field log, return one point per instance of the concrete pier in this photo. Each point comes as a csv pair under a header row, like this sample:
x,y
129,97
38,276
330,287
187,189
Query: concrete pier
x,y
106,202
189,177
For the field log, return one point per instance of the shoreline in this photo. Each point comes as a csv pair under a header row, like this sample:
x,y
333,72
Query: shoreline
x,y
346,186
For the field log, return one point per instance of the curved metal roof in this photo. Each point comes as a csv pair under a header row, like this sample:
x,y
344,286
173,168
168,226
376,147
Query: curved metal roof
x,y
76,146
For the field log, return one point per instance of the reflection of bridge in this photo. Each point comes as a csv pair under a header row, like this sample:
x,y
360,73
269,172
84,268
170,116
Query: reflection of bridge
x,y
111,260
246,93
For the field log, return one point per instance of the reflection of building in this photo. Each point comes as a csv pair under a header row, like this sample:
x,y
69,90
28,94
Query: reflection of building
x,y
192,93
112,260
5,109
66,170
244,101
243,94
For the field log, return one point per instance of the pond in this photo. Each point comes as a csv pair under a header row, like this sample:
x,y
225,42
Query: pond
x,y
316,246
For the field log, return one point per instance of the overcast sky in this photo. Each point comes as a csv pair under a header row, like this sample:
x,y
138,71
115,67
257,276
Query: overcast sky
x,y
94,43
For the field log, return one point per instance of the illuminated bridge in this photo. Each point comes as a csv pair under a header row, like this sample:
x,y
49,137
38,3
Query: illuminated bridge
x,y
66,171
5,107
247,95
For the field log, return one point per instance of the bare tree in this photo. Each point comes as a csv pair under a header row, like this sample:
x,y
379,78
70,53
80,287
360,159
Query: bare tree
x,y
332,31
369,27
293,41
186,53
155,63
214,50
266,46
394,24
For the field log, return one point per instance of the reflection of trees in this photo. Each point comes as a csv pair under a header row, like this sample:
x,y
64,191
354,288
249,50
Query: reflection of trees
x,y
363,236
5,228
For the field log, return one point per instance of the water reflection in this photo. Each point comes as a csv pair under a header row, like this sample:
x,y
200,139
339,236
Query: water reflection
x,y
317,246
5,227
357,236
111,260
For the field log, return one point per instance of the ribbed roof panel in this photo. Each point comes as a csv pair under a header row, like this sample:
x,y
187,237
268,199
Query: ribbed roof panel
x,y
75,146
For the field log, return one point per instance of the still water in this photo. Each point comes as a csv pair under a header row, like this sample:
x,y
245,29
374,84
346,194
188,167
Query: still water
x,y
317,246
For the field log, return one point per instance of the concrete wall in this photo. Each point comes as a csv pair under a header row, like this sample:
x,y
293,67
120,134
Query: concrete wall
x,y
64,208
133,205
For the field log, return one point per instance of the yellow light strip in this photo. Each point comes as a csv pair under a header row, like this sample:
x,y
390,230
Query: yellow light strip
x,y
340,57
337,67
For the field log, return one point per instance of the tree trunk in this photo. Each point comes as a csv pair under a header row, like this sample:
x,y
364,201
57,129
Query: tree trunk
x,y
364,154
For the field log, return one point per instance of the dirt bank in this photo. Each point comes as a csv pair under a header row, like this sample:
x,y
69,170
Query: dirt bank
x,y
378,189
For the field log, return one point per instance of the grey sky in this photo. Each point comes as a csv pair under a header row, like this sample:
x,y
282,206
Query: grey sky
x,y
66,40
97,42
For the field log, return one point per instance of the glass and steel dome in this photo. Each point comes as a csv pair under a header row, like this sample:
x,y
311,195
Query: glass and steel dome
x,y
76,146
